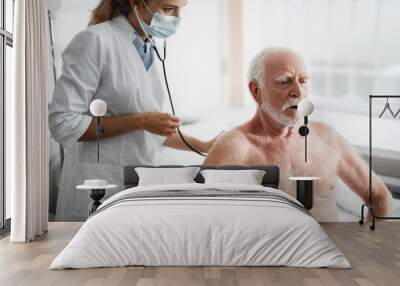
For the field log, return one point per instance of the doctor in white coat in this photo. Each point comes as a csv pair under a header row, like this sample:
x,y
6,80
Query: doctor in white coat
x,y
113,60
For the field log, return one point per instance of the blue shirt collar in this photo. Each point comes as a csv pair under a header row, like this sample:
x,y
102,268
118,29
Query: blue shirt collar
x,y
144,48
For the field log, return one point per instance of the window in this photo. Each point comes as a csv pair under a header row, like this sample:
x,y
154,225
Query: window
x,y
6,44
351,46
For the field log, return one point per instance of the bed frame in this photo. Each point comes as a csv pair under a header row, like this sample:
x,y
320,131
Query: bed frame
x,y
270,179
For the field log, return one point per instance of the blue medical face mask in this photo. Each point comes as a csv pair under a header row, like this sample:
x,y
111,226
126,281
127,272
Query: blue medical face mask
x,y
161,26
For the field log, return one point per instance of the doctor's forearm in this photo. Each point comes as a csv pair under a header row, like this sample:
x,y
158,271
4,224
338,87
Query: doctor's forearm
x,y
158,123
176,142
114,126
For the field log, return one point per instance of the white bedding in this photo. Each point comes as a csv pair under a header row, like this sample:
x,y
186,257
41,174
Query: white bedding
x,y
193,231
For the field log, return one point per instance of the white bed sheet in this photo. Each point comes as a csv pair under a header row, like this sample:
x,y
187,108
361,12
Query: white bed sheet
x,y
200,232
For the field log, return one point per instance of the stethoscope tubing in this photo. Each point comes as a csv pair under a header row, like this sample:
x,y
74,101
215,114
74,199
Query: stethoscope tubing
x,y
163,59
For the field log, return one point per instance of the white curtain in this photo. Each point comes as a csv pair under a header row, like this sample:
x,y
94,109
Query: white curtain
x,y
27,127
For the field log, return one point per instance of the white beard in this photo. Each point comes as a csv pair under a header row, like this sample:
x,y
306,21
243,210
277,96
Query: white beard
x,y
278,115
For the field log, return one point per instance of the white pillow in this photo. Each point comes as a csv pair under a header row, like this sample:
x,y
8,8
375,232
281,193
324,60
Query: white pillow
x,y
162,176
249,177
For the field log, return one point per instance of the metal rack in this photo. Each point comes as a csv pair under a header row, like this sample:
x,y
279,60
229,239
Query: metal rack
x,y
369,205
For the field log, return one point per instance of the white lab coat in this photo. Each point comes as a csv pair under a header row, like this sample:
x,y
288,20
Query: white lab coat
x,y
101,63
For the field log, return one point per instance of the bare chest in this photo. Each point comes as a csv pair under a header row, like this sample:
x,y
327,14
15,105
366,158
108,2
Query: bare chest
x,y
322,159
322,162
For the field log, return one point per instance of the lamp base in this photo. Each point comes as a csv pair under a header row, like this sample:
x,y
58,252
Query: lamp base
x,y
96,195
304,193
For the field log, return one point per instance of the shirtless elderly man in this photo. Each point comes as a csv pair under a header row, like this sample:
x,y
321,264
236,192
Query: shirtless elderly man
x,y
278,81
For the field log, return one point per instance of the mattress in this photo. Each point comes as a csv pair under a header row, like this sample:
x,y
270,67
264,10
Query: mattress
x,y
201,225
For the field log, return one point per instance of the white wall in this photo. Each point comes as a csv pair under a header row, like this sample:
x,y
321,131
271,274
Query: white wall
x,y
195,60
70,17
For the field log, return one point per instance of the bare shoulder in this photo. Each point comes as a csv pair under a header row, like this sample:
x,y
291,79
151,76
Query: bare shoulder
x,y
324,130
235,137
231,148
322,127
233,141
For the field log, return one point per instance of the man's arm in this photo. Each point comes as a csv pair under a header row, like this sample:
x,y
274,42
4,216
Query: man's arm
x,y
355,174
231,148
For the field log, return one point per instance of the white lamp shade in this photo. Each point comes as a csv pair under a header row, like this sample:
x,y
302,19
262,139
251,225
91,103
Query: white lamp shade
x,y
98,107
305,107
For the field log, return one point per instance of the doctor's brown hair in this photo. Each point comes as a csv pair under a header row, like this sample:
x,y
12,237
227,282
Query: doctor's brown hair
x,y
109,9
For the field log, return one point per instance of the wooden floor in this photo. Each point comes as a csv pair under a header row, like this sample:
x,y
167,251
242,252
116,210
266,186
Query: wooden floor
x,y
375,257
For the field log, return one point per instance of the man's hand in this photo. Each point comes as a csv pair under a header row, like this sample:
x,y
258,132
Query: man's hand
x,y
381,201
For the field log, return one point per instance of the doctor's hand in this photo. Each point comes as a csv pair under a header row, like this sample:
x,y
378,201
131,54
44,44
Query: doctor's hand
x,y
163,124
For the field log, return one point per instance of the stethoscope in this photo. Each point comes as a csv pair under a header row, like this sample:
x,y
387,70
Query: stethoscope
x,y
163,60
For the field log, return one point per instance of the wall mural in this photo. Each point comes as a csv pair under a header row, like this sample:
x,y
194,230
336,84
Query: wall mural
x,y
241,90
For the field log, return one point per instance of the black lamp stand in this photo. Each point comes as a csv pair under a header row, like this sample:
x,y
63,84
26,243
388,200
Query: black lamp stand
x,y
99,133
304,131
97,194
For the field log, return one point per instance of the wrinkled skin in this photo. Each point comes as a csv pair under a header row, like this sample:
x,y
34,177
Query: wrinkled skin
x,y
266,140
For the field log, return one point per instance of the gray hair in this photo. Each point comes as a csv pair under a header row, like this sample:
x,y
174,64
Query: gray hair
x,y
257,69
